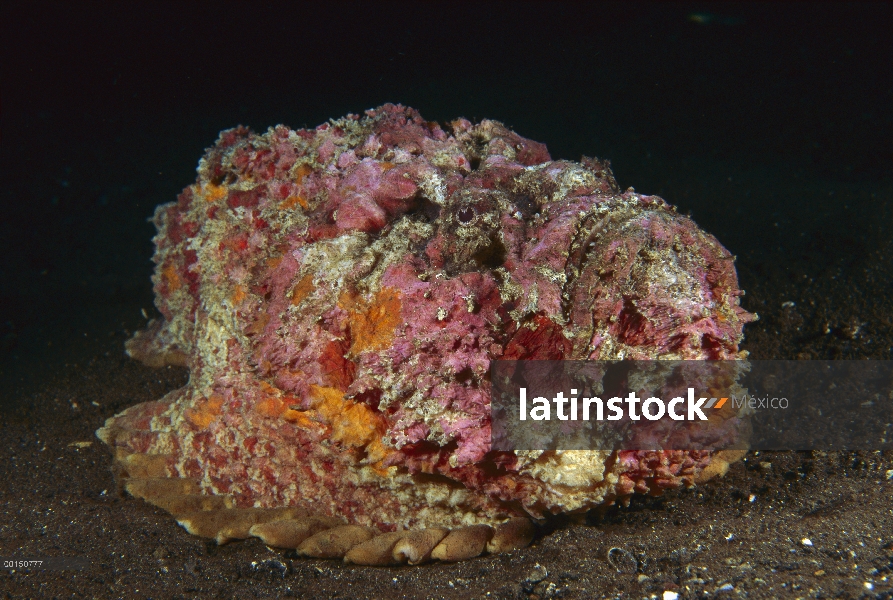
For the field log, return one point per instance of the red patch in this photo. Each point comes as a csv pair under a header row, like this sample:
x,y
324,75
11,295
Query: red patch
x,y
218,459
192,468
237,243
545,342
338,371
321,232
248,199
174,228
190,228
231,136
221,485
201,440
272,478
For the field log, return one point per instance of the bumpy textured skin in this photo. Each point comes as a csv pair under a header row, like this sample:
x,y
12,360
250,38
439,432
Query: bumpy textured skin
x,y
339,293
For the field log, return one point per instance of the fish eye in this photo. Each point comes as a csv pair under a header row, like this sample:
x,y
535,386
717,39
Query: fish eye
x,y
466,214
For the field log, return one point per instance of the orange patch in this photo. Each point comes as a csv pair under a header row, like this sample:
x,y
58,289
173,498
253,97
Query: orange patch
x,y
301,419
274,262
303,289
238,295
270,389
271,407
205,411
302,172
173,280
212,192
387,166
328,402
372,324
376,452
291,201
353,424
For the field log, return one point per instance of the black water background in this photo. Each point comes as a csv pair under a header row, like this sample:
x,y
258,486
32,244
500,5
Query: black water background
x,y
770,123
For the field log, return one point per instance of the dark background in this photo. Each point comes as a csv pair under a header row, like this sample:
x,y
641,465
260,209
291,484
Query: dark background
x,y
770,123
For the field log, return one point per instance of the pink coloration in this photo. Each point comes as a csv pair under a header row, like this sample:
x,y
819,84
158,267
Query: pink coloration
x,y
339,295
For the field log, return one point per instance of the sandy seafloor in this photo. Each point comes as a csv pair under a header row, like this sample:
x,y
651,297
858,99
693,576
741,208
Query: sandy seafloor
x,y
805,202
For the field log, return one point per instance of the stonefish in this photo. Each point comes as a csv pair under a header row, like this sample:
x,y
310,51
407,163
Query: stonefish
x,y
338,295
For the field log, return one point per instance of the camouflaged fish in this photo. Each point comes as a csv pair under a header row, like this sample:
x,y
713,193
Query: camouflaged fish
x,y
338,295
